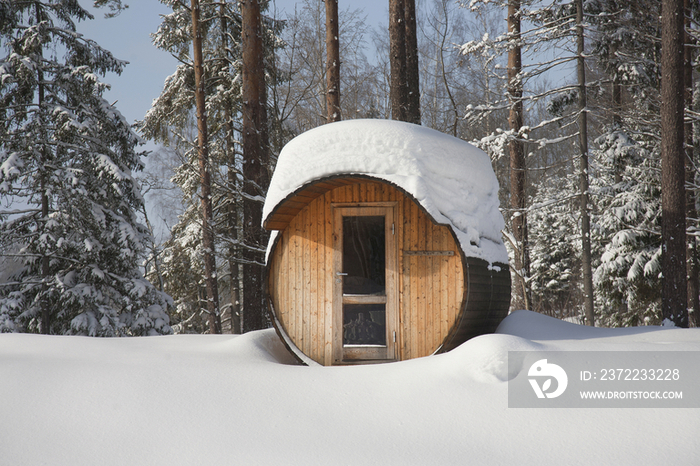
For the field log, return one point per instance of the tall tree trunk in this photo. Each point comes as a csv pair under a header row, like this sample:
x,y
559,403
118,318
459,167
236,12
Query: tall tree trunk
x,y
255,163
583,174
45,326
205,177
412,74
440,59
397,60
673,265
332,61
690,211
232,207
517,160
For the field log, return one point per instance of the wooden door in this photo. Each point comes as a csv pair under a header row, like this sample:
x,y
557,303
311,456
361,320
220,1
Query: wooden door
x,y
364,276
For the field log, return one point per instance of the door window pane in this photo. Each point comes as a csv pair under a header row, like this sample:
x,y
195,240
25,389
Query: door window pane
x,y
364,324
364,255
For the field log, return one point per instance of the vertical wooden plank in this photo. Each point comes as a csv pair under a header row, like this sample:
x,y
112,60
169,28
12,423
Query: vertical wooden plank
x,y
272,283
303,285
301,277
308,271
399,221
437,309
293,285
337,287
299,281
329,279
380,192
444,285
423,264
391,292
428,283
370,194
289,245
415,290
457,290
320,284
276,280
340,194
391,193
355,196
283,277
434,288
313,264
406,277
436,312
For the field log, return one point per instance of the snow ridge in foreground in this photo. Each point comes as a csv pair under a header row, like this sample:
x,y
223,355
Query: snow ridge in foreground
x,y
204,399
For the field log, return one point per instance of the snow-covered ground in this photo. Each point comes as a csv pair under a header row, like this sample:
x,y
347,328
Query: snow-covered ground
x,y
215,400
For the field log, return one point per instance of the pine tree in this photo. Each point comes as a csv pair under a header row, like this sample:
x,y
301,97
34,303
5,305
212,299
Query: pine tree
x,y
691,213
256,162
673,263
412,69
557,28
397,59
171,122
208,241
68,157
332,62
628,47
518,168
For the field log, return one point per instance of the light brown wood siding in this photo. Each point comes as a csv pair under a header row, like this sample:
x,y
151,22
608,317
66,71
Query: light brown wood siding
x,y
431,287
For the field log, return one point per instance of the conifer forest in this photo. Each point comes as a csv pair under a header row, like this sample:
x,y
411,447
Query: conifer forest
x,y
588,109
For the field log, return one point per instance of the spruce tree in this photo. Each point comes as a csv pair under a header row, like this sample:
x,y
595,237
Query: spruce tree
x,y
67,163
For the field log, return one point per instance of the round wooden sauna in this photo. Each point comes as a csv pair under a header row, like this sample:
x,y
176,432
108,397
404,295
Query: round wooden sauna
x,y
386,244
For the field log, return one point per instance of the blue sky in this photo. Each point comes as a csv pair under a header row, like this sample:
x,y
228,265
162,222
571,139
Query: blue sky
x,y
127,36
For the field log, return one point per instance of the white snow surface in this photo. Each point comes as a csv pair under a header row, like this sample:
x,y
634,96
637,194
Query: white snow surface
x,y
450,178
226,399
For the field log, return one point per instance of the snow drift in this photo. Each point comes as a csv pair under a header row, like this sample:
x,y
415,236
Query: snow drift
x,y
205,399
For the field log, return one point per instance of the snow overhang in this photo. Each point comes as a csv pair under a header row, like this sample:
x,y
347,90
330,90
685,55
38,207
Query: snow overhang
x,y
452,180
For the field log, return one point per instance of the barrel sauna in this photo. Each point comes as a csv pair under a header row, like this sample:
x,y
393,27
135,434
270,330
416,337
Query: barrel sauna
x,y
358,269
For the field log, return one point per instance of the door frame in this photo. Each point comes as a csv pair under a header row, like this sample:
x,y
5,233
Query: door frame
x,y
365,354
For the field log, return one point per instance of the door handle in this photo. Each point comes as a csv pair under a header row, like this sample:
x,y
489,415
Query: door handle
x,y
341,273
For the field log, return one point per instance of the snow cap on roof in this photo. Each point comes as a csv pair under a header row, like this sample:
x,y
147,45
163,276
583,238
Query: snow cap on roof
x,y
451,179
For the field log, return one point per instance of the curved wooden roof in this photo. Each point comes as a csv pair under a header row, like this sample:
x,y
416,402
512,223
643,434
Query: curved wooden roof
x,y
286,210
